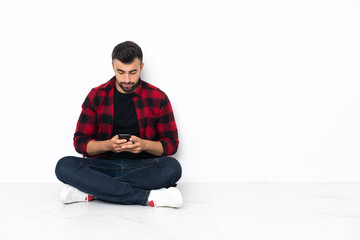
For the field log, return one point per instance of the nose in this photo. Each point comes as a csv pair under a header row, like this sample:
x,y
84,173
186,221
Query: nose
x,y
127,78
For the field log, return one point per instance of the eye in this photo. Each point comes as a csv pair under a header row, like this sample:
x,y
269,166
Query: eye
x,y
133,73
121,73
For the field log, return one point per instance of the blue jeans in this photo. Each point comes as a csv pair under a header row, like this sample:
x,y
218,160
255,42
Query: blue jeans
x,y
124,181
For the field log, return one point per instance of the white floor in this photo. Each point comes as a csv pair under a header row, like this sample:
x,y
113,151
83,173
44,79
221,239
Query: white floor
x,y
211,211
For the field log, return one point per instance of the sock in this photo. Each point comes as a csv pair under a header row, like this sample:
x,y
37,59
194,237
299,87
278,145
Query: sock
x,y
174,185
90,198
151,203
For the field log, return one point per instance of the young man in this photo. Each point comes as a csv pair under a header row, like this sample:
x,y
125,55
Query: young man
x,y
116,168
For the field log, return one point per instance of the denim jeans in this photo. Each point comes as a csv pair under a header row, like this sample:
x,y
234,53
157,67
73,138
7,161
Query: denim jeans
x,y
123,181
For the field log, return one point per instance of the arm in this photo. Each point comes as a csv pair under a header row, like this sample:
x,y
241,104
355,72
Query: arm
x,y
153,147
137,145
165,126
85,137
167,129
86,126
95,147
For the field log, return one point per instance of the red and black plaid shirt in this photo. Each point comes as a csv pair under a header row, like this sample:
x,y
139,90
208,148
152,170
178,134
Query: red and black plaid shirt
x,y
153,110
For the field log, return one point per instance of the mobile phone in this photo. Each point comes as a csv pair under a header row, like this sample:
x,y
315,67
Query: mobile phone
x,y
124,136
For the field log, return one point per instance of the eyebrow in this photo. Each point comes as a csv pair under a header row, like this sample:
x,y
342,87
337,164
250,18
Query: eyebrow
x,y
118,69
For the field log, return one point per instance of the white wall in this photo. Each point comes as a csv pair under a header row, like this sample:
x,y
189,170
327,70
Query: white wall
x,y
262,90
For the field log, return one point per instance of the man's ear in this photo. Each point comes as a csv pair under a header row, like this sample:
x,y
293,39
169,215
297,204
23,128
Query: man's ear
x,y
141,66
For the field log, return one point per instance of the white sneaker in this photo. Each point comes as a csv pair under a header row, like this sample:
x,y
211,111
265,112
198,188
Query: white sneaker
x,y
70,194
165,197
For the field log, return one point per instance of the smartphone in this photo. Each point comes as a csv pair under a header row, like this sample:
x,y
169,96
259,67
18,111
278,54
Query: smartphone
x,y
124,136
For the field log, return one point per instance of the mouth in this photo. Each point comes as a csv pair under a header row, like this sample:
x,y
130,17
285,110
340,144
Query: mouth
x,y
127,85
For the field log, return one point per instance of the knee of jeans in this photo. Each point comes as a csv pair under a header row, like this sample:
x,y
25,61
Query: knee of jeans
x,y
62,166
174,167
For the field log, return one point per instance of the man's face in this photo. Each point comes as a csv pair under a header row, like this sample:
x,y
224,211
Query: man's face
x,y
127,75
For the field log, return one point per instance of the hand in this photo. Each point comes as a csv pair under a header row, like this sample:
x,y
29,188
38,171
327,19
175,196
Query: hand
x,y
116,145
134,145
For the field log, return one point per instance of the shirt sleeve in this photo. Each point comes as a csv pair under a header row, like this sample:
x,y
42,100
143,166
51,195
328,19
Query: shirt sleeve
x,y
166,128
86,125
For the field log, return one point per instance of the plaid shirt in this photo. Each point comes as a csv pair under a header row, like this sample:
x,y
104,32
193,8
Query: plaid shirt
x,y
153,110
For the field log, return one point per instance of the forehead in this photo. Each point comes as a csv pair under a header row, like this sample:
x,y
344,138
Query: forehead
x,y
127,66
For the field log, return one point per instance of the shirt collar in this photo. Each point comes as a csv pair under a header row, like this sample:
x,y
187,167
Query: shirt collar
x,y
139,89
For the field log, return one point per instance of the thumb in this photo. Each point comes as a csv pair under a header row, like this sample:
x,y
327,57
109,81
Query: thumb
x,y
134,138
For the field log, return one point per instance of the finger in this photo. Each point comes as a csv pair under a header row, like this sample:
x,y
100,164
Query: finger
x,y
132,145
135,150
118,144
120,148
121,141
128,145
124,143
133,138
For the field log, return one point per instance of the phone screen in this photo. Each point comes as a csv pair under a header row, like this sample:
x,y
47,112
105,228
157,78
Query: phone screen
x,y
124,136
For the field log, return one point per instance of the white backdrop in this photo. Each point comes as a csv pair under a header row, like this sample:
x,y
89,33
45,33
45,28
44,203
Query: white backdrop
x,y
262,90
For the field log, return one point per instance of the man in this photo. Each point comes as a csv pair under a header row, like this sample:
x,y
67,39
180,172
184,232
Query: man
x,y
137,170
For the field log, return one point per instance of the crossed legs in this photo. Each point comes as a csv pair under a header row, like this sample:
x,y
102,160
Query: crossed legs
x,y
122,181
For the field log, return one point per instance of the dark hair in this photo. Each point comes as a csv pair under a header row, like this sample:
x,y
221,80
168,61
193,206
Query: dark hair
x,y
126,52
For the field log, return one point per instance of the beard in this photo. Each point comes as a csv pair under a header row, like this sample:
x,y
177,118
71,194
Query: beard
x,y
128,89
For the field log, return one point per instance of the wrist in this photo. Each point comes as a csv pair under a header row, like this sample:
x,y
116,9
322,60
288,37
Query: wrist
x,y
107,145
145,145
